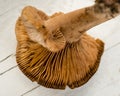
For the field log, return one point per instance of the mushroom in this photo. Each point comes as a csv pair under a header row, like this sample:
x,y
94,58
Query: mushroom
x,y
55,51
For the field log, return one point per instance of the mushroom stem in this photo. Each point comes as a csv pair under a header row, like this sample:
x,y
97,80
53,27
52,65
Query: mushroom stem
x,y
74,24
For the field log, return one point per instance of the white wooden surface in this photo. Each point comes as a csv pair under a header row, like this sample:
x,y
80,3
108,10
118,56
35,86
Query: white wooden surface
x,y
106,82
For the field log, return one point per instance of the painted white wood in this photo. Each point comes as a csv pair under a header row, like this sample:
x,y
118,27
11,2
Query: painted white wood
x,y
109,32
7,32
7,64
14,83
7,5
106,82
7,38
50,6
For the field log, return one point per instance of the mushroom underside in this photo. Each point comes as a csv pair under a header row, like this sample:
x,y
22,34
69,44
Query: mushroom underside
x,y
73,66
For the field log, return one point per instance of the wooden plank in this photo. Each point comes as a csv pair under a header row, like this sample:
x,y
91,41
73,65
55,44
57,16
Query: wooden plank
x,y
46,92
108,32
6,5
113,37
50,7
7,64
112,89
14,83
7,32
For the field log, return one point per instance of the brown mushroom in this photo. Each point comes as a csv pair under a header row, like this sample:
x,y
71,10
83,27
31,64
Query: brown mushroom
x,y
55,51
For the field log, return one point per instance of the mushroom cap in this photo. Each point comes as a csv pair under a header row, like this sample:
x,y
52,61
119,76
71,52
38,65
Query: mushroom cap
x,y
71,66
